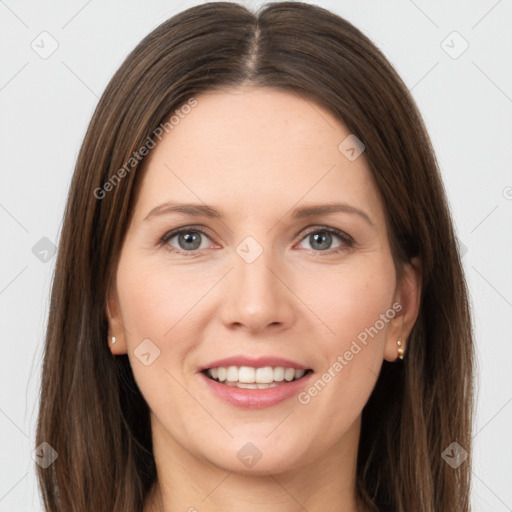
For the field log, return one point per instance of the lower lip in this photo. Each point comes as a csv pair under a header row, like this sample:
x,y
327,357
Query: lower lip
x,y
256,398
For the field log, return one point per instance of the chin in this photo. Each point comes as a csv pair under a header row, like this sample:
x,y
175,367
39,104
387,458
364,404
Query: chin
x,y
259,457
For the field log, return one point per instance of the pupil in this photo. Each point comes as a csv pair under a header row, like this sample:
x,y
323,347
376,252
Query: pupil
x,y
188,238
321,240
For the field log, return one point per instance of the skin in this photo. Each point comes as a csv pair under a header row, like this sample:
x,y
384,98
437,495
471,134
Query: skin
x,y
256,154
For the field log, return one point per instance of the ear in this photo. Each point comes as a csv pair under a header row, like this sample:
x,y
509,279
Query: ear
x,y
115,325
406,305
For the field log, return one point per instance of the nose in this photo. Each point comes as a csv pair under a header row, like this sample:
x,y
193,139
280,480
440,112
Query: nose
x,y
257,296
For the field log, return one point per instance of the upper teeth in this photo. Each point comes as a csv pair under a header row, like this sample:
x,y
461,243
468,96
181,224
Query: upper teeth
x,y
249,375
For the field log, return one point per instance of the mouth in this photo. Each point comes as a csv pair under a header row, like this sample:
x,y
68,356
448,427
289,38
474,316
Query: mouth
x,y
246,377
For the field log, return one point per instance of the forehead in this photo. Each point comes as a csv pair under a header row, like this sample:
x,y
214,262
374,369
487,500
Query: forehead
x,y
249,148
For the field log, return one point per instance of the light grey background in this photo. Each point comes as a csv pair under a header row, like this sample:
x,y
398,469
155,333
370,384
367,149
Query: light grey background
x,y
46,104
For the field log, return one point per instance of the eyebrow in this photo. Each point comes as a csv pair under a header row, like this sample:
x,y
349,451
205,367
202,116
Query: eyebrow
x,y
203,210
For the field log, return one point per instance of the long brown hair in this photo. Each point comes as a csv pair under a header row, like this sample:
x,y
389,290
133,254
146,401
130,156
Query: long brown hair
x,y
91,411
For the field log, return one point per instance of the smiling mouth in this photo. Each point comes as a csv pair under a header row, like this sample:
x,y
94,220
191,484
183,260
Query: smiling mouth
x,y
255,378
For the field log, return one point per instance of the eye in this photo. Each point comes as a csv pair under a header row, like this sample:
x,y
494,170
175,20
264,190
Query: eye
x,y
188,240
321,239
191,240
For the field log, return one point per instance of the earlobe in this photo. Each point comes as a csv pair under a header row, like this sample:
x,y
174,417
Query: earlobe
x,y
396,346
408,297
400,349
116,338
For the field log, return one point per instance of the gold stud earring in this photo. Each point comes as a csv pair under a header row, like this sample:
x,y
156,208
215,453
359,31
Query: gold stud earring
x,y
113,339
400,348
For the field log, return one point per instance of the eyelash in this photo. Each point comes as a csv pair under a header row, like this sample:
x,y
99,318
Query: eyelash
x,y
347,241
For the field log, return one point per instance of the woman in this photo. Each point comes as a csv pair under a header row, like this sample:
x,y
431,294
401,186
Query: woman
x,y
258,300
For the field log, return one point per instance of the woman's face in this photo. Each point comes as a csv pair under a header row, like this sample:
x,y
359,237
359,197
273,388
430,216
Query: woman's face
x,y
262,277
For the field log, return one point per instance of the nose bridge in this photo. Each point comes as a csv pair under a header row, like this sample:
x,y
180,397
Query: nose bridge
x,y
256,297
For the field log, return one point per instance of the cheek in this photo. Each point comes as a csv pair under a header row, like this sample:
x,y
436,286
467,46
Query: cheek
x,y
166,305
155,299
351,299
157,304
355,302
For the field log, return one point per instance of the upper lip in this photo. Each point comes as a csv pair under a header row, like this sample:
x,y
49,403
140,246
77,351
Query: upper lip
x,y
255,362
